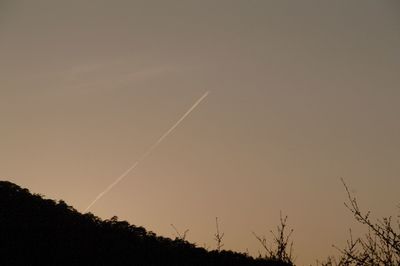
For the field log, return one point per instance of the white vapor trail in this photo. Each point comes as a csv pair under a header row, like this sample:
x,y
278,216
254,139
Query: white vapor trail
x,y
147,153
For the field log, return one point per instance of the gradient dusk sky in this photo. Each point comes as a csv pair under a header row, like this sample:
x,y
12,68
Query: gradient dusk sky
x,y
302,93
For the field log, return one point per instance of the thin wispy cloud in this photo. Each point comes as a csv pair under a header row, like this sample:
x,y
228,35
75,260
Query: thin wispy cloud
x,y
87,78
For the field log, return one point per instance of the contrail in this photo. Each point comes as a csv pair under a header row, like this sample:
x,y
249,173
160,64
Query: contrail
x,y
147,153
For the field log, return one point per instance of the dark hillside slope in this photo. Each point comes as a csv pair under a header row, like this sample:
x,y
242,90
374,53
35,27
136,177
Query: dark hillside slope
x,y
37,231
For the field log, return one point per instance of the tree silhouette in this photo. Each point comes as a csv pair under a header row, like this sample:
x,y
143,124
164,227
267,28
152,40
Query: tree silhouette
x,y
37,231
380,246
282,247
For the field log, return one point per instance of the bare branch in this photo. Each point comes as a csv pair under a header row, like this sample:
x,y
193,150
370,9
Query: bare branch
x,y
179,235
218,236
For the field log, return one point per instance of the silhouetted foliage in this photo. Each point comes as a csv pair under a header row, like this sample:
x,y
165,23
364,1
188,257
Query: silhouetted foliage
x,y
37,231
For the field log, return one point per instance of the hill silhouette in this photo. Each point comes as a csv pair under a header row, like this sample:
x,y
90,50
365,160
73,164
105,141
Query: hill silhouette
x,y
38,231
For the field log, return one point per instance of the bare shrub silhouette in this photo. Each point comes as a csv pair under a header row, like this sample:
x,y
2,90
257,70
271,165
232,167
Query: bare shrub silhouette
x,y
218,236
380,246
178,235
282,247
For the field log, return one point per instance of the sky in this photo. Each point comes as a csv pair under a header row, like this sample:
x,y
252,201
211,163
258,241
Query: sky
x,y
302,93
